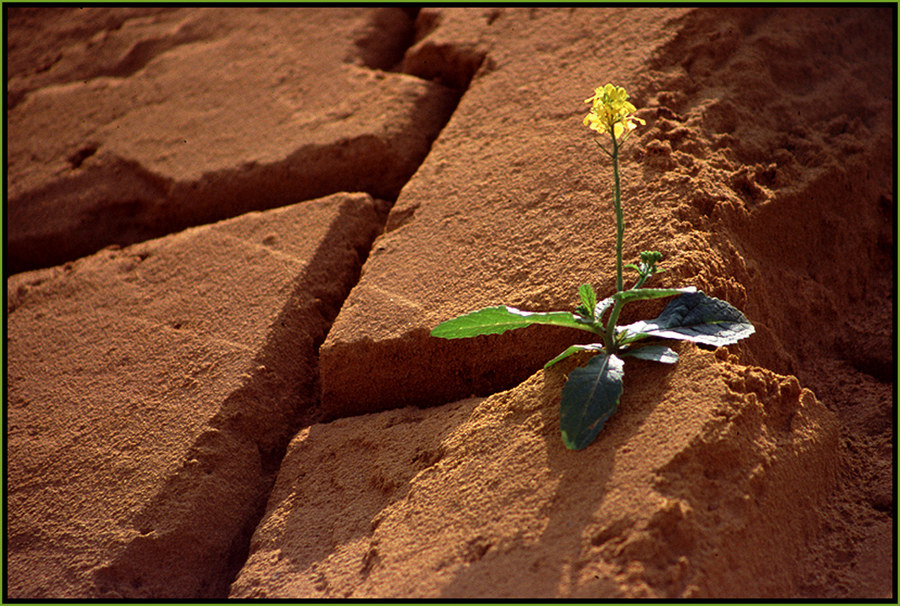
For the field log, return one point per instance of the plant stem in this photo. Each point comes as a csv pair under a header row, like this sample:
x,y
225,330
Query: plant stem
x,y
609,339
640,281
620,220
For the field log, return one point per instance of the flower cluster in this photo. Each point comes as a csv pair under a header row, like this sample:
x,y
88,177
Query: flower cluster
x,y
611,112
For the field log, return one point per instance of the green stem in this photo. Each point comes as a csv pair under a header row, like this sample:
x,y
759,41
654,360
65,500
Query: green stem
x,y
609,339
620,220
640,281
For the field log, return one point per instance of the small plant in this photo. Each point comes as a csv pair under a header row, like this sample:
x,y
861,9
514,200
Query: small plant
x,y
591,393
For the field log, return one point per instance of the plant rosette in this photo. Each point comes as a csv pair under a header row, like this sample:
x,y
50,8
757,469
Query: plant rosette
x,y
592,392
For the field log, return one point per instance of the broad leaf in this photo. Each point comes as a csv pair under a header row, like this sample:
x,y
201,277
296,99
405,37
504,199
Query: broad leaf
x,y
496,320
589,398
572,350
654,353
699,318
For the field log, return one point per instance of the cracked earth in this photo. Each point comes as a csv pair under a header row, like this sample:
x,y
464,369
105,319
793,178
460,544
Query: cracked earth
x,y
229,232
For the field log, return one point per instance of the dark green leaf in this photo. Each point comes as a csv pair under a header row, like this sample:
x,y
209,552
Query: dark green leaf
x,y
699,318
589,398
496,320
655,353
572,350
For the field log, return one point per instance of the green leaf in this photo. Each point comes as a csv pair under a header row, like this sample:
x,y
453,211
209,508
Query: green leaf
x,y
496,320
654,353
625,337
699,318
588,301
638,294
572,350
589,398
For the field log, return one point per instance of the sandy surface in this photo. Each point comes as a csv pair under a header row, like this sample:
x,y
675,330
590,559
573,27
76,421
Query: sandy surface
x,y
153,390
199,116
683,495
416,467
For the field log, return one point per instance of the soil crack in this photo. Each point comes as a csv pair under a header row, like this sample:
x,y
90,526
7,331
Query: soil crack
x,y
93,175
241,549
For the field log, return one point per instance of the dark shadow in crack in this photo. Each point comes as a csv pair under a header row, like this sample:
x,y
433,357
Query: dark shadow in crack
x,y
102,199
193,536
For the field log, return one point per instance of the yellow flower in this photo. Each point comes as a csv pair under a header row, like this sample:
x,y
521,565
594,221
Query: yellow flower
x,y
611,112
